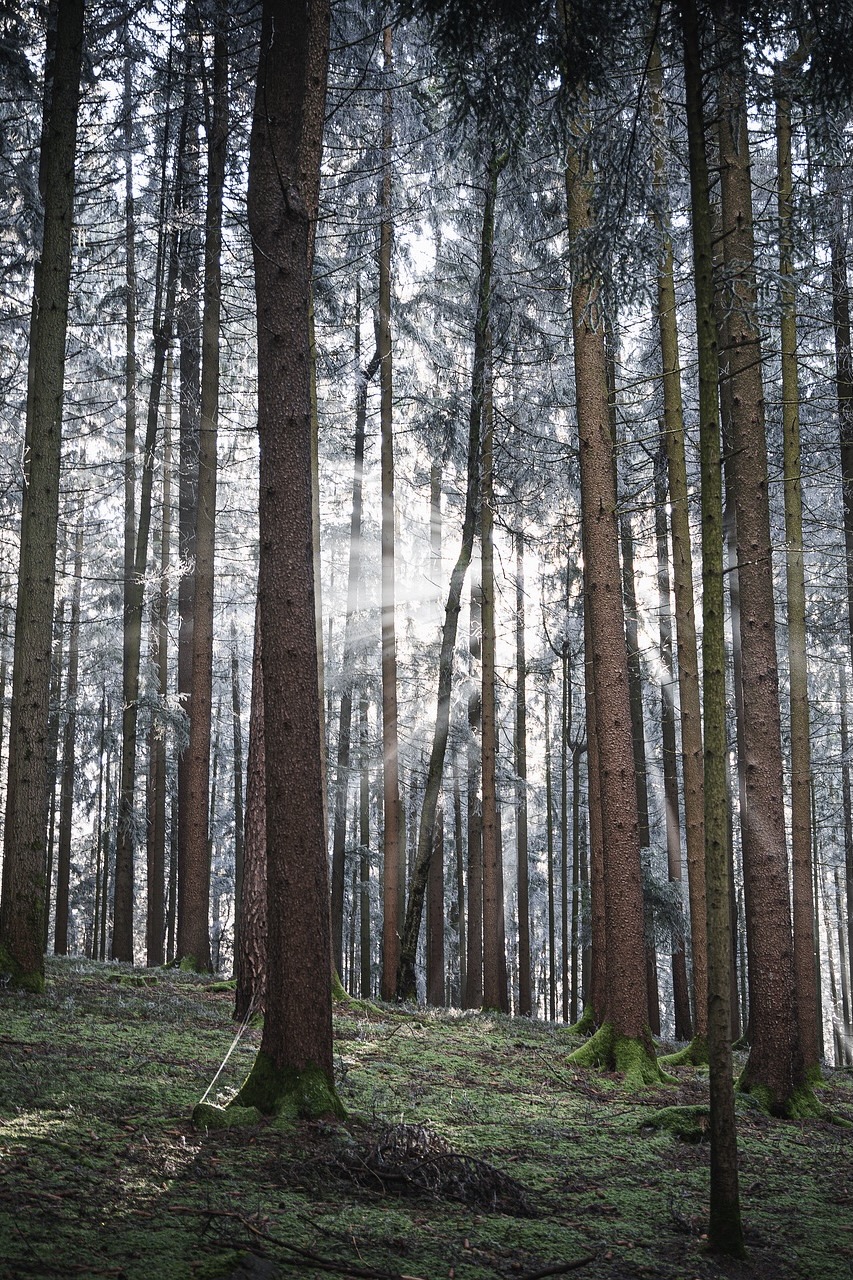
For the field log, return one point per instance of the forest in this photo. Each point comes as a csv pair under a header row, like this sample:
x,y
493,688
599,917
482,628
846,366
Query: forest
x,y
426,553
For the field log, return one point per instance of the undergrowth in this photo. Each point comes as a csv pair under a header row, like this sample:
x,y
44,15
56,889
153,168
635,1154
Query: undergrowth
x,y
472,1149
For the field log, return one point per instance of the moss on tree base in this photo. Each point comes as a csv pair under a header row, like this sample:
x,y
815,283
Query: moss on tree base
x,y
289,1094
18,977
585,1025
694,1054
689,1124
207,1116
633,1058
800,1104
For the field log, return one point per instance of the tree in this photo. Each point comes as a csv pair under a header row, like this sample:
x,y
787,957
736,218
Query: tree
x,y
22,904
193,937
293,1069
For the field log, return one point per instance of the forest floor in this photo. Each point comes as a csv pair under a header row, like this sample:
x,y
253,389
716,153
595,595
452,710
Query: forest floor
x,y
472,1151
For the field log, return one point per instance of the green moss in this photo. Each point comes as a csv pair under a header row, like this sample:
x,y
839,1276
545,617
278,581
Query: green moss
x,y
287,1093
19,978
689,1124
695,1054
206,1116
585,1024
188,964
801,1103
633,1058
220,987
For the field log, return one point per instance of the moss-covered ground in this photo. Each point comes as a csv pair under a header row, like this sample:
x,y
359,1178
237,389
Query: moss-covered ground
x,y
460,1128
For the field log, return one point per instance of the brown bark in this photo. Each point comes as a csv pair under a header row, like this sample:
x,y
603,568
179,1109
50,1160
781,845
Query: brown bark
x,y
193,940
250,953
776,1062
525,1004
69,739
284,174
22,902
626,1007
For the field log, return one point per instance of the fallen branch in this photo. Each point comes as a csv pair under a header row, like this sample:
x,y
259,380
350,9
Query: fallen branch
x,y
560,1269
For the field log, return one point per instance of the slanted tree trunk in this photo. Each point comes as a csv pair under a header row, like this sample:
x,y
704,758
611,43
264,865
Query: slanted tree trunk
x,y
69,740
406,987
193,923
22,901
293,1070
725,1232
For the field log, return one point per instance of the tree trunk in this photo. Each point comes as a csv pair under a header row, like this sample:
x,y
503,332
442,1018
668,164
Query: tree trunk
x,y
193,923
155,930
364,842
250,952
680,991
805,960
22,902
549,853
459,850
239,818
775,1067
414,911
525,1003
626,999
69,737
682,558
725,1231
435,883
474,953
294,1064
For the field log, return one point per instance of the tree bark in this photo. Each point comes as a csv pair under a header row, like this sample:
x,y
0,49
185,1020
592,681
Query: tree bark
x,y
250,952
22,903
69,740
725,1231
525,1003
194,928
294,1064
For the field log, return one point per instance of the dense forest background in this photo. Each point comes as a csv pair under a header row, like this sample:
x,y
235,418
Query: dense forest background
x,y
443,257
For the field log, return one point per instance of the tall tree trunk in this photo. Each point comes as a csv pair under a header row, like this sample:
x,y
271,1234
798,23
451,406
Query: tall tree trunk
x,y
565,737
69,739
164,306
250,953
155,930
680,991
474,952
392,844
459,852
775,1066
22,901
237,742
364,843
682,558
725,1232
525,1003
294,1065
805,960
435,883
189,324
414,910
193,925
549,858
339,831
494,990
626,1000
99,830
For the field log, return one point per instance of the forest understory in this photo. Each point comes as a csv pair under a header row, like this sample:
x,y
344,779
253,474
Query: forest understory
x,y
472,1151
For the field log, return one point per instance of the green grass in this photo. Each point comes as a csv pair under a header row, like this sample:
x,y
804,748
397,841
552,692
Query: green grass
x,y
102,1173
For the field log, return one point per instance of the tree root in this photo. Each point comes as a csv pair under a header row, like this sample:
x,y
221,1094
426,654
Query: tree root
x,y
634,1058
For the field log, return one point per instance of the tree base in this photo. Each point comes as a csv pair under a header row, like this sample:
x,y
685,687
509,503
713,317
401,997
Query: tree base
x,y
585,1025
18,978
633,1058
289,1094
800,1104
695,1054
207,1116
